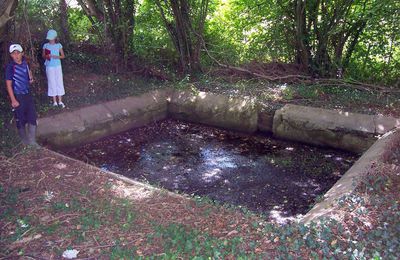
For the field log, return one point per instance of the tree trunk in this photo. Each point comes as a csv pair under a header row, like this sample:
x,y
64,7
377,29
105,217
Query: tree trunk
x,y
185,34
117,17
64,23
302,46
353,44
7,9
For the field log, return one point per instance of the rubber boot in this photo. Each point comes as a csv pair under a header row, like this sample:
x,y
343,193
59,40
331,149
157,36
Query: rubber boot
x,y
22,135
32,135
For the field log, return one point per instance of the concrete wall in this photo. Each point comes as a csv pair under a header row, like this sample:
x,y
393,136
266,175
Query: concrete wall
x,y
342,130
238,114
97,121
349,181
347,131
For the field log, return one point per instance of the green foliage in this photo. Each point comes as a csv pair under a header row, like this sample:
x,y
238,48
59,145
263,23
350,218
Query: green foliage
x,y
151,39
9,199
8,134
122,252
377,56
41,15
81,27
242,30
179,242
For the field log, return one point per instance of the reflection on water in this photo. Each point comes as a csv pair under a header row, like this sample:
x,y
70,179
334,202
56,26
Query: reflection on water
x,y
218,158
262,174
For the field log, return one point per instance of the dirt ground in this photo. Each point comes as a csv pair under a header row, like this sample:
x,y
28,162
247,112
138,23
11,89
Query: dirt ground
x,y
51,203
45,180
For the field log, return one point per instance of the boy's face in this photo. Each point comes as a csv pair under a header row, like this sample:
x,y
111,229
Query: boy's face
x,y
16,56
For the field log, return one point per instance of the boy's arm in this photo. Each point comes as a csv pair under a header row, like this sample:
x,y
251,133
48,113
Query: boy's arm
x,y
14,102
31,79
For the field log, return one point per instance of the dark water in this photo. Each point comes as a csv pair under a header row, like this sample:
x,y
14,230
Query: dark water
x,y
277,178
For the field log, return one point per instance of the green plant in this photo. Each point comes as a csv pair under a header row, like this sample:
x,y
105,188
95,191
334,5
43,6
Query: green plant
x,y
61,206
22,226
52,228
9,200
309,92
122,252
288,92
180,242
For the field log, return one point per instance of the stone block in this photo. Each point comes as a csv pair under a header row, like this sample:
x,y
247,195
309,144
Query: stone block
x,y
239,114
342,130
94,122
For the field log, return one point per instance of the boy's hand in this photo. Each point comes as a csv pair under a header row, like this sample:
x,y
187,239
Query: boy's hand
x,y
15,104
31,80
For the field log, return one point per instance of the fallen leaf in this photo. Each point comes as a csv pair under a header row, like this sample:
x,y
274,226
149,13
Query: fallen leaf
x,y
70,254
60,166
233,232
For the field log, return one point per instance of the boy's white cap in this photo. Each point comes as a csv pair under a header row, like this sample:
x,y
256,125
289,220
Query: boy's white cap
x,y
15,47
51,35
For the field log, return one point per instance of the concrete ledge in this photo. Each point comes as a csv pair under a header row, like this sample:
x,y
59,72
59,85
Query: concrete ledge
x,y
94,122
346,185
215,110
342,130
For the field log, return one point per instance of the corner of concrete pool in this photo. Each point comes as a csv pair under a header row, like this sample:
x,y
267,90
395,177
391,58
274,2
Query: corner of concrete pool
x,y
369,135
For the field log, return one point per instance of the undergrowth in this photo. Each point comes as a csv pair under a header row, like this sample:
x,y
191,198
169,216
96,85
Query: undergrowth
x,y
367,228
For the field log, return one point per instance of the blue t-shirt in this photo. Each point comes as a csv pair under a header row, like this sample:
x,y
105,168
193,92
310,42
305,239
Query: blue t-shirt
x,y
19,74
54,50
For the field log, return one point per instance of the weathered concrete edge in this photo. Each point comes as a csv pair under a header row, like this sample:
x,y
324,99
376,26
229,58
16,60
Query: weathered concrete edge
x,y
233,113
349,181
94,122
71,128
343,130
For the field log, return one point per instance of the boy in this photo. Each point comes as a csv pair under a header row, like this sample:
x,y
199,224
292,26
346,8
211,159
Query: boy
x,y
18,78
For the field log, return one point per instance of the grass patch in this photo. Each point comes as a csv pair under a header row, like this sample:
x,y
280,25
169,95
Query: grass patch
x,y
179,242
121,252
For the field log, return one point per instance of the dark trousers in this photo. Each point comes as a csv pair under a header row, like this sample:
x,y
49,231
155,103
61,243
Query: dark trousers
x,y
25,112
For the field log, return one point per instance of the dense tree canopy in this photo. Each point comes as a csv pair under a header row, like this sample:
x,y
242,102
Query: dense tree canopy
x,y
357,39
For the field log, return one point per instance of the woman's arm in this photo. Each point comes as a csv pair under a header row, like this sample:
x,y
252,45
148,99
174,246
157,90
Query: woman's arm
x,y
61,56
